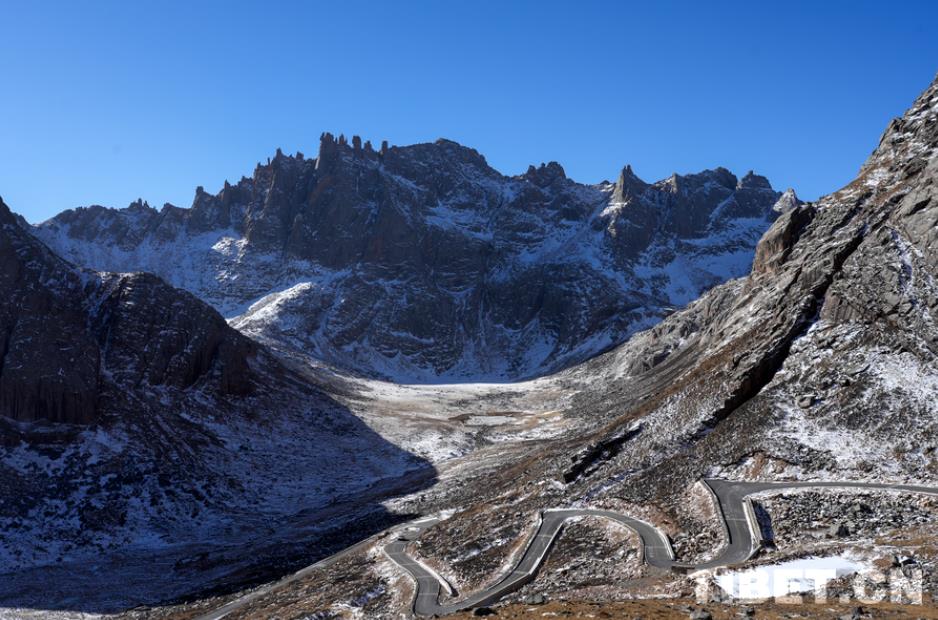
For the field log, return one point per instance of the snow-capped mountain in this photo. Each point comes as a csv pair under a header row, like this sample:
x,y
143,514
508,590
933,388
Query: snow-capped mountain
x,y
422,263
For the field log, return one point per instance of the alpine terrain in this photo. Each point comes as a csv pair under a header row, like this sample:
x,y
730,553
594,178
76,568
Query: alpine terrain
x,y
423,264
442,389
135,423
786,414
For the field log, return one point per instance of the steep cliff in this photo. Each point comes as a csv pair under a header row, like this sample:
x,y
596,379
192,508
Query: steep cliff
x,y
422,263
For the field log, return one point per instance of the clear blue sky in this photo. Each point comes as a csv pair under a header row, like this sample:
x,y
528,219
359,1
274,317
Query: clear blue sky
x,y
105,102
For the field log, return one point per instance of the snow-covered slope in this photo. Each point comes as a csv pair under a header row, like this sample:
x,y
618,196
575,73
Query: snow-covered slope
x,y
138,429
423,264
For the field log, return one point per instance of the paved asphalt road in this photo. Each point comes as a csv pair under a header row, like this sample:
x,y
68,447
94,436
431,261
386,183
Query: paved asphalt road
x,y
742,533
743,539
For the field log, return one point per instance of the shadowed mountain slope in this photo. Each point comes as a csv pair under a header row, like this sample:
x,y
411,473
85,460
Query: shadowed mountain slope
x,y
138,431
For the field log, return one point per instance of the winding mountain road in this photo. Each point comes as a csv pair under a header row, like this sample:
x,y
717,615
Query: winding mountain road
x,y
743,539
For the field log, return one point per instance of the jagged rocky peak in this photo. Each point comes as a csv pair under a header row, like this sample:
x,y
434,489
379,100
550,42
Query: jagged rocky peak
x,y
787,201
142,205
545,174
407,262
449,151
628,185
752,180
330,147
705,180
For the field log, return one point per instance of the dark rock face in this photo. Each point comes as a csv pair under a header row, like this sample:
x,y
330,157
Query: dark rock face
x,y
185,340
49,362
821,364
424,263
69,336
143,441
827,353
775,246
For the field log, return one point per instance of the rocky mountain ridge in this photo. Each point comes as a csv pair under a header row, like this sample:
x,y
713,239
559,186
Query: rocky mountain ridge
x,y
822,364
71,335
139,430
422,263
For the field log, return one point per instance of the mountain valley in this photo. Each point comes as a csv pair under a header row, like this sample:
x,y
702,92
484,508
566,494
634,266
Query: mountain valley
x,y
403,346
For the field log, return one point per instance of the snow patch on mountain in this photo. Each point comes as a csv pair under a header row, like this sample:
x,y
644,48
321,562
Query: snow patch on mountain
x,y
425,264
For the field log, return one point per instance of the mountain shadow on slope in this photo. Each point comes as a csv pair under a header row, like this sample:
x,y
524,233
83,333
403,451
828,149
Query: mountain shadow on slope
x,y
149,451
